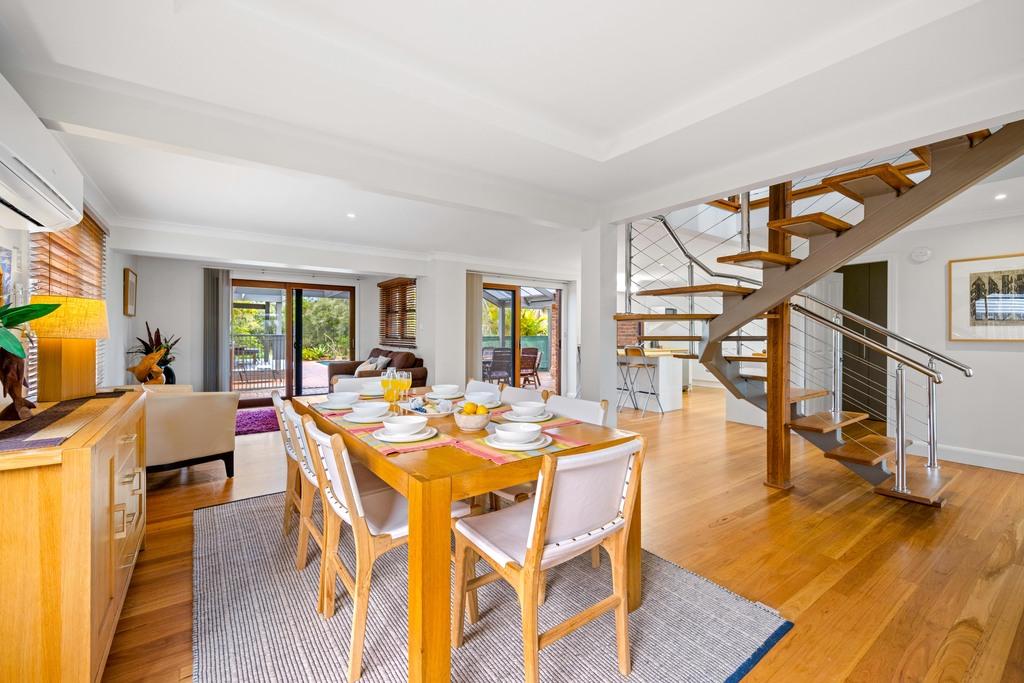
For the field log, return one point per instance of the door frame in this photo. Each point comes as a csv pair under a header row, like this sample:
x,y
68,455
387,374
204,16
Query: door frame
x,y
295,301
290,342
517,303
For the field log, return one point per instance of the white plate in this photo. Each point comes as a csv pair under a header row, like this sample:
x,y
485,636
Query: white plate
x,y
381,435
543,417
437,397
352,417
404,406
489,406
494,442
372,394
334,406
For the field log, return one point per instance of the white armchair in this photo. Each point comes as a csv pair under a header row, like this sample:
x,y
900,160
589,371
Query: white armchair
x,y
186,428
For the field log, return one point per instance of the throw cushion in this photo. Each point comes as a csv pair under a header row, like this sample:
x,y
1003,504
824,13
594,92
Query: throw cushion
x,y
402,359
382,361
367,366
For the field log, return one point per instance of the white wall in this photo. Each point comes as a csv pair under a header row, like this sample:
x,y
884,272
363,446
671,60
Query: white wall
x,y
121,327
979,418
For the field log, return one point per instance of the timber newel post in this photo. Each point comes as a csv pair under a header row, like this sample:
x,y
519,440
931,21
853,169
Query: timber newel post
x,y
777,386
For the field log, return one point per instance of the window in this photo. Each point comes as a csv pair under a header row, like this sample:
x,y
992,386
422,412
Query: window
x,y
398,312
70,262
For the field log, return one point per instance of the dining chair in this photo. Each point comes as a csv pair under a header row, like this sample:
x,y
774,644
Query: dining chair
x,y
632,367
311,474
503,366
348,384
520,395
591,412
475,385
529,363
379,522
583,501
292,488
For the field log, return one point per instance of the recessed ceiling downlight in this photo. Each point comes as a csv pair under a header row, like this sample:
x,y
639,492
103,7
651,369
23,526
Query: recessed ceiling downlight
x,y
350,215
1001,196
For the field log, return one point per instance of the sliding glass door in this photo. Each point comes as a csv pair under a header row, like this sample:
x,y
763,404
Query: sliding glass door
x,y
284,334
521,336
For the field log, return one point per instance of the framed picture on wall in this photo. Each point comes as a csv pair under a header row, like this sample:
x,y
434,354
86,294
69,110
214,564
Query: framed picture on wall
x,y
131,288
986,298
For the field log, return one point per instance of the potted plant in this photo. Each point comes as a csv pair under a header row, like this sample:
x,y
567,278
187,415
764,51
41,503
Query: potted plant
x,y
12,356
153,342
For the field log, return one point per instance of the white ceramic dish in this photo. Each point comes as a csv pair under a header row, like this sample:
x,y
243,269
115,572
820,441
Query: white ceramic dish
x,y
404,405
341,399
485,397
543,441
527,408
404,425
382,435
543,417
447,390
517,433
370,409
438,397
494,403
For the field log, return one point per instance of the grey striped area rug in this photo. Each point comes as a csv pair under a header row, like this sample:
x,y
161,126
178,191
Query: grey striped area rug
x,y
255,618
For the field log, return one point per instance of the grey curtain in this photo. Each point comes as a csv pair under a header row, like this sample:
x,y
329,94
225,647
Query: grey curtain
x,y
216,329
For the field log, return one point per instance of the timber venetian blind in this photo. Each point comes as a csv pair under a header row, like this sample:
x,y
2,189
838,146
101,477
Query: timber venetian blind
x,y
398,312
70,262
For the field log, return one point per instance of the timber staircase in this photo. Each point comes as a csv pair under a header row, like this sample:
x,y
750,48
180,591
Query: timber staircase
x,y
890,200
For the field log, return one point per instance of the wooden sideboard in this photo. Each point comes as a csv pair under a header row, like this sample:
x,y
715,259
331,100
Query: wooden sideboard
x,y
71,525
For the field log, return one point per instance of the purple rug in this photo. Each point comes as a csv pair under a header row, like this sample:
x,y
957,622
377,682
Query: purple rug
x,y
255,421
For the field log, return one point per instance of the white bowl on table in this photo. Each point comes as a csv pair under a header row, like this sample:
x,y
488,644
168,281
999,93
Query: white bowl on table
x,y
445,389
517,432
403,425
341,399
369,408
528,409
482,397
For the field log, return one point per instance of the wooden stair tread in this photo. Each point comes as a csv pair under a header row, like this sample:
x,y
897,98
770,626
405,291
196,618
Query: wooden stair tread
x,y
810,225
670,337
686,356
926,486
665,316
709,289
746,359
745,337
759,259
870,181
797,394
754,377
978,135
825,422
867,450
725,204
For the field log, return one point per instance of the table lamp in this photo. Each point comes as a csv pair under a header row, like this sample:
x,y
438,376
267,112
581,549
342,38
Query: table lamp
x,y
67,346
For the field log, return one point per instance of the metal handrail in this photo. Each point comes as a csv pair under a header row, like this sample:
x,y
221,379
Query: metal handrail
x,y
935,375
966,369
697,262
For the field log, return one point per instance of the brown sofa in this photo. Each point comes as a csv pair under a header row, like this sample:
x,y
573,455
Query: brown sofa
x,y
400,360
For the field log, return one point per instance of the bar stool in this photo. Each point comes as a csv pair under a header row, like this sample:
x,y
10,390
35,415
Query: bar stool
x,y
631,369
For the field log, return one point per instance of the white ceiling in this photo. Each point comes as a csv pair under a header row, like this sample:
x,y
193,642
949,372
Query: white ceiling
x,y
468,119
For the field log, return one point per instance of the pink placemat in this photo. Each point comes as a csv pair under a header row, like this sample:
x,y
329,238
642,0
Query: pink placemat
x,y
477,447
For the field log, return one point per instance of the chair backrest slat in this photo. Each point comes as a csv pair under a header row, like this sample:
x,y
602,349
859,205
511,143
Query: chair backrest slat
x,y
282,427
355,384
475,385
298,436
591,412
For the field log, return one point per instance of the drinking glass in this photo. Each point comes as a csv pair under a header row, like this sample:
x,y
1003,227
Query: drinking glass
x,y
405,382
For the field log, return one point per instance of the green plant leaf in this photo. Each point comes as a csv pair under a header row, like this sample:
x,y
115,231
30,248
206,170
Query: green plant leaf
x,y
10,343
13,317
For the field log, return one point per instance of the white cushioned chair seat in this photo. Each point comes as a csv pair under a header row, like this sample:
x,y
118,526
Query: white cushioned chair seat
x,y
503,535
512,492
387,512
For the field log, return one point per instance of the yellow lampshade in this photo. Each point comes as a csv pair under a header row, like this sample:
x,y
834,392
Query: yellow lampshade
x,y
77,318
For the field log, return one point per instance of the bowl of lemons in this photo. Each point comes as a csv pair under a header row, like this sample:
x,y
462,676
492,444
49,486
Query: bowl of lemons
x,y
472,417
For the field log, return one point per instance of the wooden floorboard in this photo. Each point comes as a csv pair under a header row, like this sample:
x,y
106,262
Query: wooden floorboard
x,y
879,589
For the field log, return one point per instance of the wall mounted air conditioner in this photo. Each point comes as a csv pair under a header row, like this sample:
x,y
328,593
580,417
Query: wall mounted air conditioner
x,y
40,186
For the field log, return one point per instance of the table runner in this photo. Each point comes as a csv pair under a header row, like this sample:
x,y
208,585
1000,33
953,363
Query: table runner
x,y
469,442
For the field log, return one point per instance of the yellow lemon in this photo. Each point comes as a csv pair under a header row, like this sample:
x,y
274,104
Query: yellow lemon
x,y
481,410
469,408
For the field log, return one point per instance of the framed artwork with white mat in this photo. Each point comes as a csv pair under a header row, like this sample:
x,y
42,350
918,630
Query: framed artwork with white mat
x,y
986,298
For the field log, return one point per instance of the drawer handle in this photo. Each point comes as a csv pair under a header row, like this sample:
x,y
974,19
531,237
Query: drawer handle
x,y
130,518
134,480
123,531
128,438
140,472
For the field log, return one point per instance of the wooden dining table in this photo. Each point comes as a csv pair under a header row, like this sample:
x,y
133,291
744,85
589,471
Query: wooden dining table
x,y
431,480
